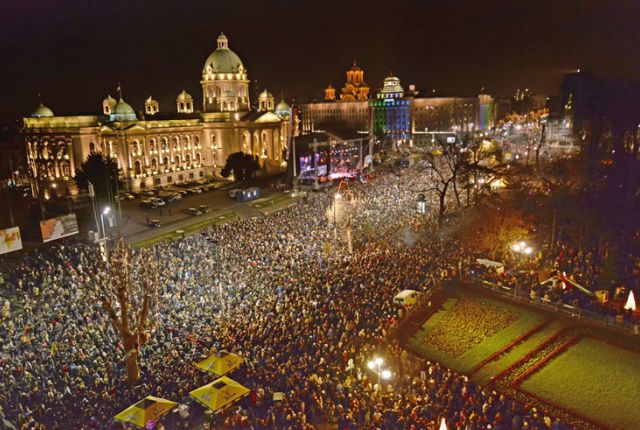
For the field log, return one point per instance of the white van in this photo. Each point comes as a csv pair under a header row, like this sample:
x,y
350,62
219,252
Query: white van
x,y
498,267
407,298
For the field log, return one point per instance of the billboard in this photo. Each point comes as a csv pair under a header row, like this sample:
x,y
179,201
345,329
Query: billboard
x,y
10,240
59,227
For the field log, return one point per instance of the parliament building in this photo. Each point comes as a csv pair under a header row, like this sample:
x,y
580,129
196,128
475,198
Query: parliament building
x,y
155,147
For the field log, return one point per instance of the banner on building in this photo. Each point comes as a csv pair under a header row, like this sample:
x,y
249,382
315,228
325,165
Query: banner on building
x,y
10,240
59,227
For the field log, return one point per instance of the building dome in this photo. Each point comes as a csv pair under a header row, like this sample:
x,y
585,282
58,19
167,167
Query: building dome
x,y
283,109
184,97
265,95
42,111
391,88
355,67
223,59
123,112
110,101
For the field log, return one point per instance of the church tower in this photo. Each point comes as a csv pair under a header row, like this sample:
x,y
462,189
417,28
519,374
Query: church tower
x,y
330,93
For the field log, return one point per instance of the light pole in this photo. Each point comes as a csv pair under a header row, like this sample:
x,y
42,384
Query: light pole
x,y
524,250
337,196
104,212
376,366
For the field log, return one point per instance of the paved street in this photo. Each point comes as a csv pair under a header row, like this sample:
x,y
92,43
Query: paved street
x,y
174,215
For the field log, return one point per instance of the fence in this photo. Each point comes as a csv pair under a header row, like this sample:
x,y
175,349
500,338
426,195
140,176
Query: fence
x,y
573,311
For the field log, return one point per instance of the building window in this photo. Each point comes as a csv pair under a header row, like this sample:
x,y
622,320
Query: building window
x,y
169,179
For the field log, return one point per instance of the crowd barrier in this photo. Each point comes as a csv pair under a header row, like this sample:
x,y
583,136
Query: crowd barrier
x,y
572,311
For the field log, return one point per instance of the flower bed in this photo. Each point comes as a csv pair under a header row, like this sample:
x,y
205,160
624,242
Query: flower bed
x,y
467,324
515,342
508,381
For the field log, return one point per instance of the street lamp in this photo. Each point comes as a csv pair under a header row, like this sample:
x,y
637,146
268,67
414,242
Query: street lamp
x,y
524,250
337,196
105,211
376,366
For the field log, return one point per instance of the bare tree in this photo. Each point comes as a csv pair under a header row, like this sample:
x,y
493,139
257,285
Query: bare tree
x,y
340,213
454,165
133,296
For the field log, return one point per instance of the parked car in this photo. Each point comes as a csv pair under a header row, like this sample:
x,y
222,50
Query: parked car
x,y
407,298
155,223
125,196
232,193
157,201
148,204
194,212
204,209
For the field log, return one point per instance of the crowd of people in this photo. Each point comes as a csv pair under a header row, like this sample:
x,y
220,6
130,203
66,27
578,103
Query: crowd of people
x,y
567,275
306,318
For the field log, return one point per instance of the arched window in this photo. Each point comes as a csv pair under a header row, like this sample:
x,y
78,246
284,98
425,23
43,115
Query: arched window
x,y
135,147
176,143
176,160
92,147
196,141
165,145
137,167
152,145
165,161
198,158
188,159
154,164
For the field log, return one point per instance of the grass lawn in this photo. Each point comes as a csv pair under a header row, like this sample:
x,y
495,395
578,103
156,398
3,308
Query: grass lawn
x,y
514,354
594,379
273,203
493,342
191,228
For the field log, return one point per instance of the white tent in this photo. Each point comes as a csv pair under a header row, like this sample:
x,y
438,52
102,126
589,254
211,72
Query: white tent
x,y
631,302
443,425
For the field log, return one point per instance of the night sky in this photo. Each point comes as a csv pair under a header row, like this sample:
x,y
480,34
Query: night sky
x,y
75,52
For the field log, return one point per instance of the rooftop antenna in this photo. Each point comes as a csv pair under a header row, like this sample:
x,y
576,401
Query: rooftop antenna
x,y
119,89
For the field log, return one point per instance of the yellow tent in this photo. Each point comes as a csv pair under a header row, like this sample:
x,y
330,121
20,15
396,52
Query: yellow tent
x,y
149,408
220,393
220,363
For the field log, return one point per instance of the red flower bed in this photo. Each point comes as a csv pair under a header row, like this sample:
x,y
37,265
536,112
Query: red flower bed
x,y
545,360
516,341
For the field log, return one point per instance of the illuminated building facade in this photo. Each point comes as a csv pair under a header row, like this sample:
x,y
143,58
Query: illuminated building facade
x,y
399,115
355,89
155,149
391,111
